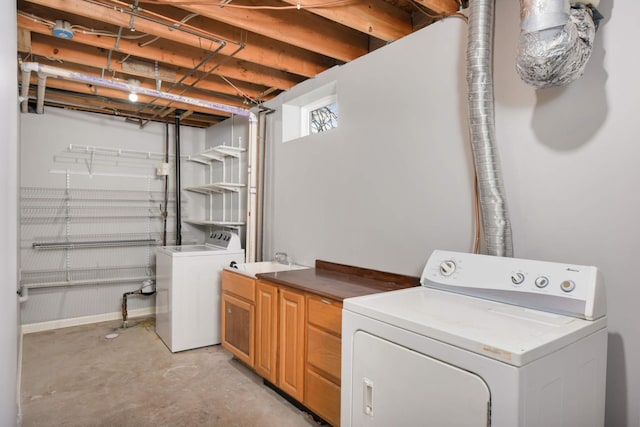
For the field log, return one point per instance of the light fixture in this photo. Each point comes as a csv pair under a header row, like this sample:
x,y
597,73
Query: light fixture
x,y
133,96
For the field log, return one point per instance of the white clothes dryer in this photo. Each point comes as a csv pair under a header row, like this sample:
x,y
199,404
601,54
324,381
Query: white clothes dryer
x,y
486,341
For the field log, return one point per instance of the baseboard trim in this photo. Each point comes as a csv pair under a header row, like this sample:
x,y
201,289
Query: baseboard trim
x,y
85,320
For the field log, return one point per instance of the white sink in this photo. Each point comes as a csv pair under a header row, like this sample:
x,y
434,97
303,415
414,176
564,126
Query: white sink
x,y
252,268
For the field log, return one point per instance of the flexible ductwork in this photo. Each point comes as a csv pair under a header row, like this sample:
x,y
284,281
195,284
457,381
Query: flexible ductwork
x,y
493,207
556,41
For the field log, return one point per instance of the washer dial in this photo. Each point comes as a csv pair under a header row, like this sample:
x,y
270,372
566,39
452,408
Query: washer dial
x,y
567,285
541,282
517,278
447,268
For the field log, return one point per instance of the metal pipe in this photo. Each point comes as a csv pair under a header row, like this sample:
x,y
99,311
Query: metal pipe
x,y
493,206
85,282
178,202
252,182
75,76
156,18
94,244
261,164
165,211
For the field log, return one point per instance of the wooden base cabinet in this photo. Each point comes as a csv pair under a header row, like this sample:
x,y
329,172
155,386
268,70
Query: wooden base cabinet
x,y
266,330
323,358
291,343
298,346
238,311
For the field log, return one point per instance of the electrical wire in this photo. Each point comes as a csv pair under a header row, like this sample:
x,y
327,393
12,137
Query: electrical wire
x,y
438,16
476,195
237,6
156,38
83,29
240,91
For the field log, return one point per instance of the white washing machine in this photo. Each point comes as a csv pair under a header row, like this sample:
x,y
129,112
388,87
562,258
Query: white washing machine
x,y
188,290
485,341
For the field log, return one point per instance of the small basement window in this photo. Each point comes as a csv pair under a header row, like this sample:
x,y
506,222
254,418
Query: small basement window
x,y
311,113
320,116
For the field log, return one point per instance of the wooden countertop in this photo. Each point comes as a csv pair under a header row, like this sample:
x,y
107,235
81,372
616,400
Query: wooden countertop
x,y
339,281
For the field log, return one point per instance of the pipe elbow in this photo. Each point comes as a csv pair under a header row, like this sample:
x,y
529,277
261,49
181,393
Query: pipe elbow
x,y
550,54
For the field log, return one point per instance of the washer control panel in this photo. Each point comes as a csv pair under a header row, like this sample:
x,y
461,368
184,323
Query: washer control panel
x,y
567,289
224,239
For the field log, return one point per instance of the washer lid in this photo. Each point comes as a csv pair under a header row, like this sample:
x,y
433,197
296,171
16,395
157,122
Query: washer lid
x,y
508,333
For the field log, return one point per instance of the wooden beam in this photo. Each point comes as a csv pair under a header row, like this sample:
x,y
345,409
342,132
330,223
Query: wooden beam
x,y
114,16
376,18
187,58
91,66
444,7
120,95
296,27
186,114
264,50
92,57
260,50
24,40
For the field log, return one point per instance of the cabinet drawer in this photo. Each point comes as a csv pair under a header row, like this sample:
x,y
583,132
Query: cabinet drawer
x,y
239,285
326,314
324,351
323,397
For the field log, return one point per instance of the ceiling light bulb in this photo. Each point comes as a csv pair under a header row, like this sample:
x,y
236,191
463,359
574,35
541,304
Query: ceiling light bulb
x,y
133,97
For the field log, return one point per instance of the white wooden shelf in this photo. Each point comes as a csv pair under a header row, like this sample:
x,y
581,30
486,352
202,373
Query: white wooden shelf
x,y
216,223
218,187
217,153
224,162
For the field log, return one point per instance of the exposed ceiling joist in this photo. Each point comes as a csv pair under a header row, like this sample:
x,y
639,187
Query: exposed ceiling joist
x,y
240,52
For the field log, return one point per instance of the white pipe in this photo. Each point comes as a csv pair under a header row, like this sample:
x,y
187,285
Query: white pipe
x,y
24,103
252,183
84,78
42,85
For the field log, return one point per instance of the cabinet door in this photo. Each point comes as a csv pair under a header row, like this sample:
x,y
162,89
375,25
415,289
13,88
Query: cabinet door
x,y
266,330
237,328
291,346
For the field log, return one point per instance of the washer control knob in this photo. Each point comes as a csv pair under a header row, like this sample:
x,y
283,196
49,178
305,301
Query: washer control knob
x,y
541,282
567,285
517,278
447,268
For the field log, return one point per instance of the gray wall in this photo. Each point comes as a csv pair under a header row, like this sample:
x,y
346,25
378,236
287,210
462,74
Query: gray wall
x,y
365,193
394,180
43,142
8,219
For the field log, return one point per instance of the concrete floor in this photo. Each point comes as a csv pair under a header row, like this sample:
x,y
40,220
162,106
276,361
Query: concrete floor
x,y
77,377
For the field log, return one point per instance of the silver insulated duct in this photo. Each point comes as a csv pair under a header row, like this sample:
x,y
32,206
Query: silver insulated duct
x,y
556,40
493,208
